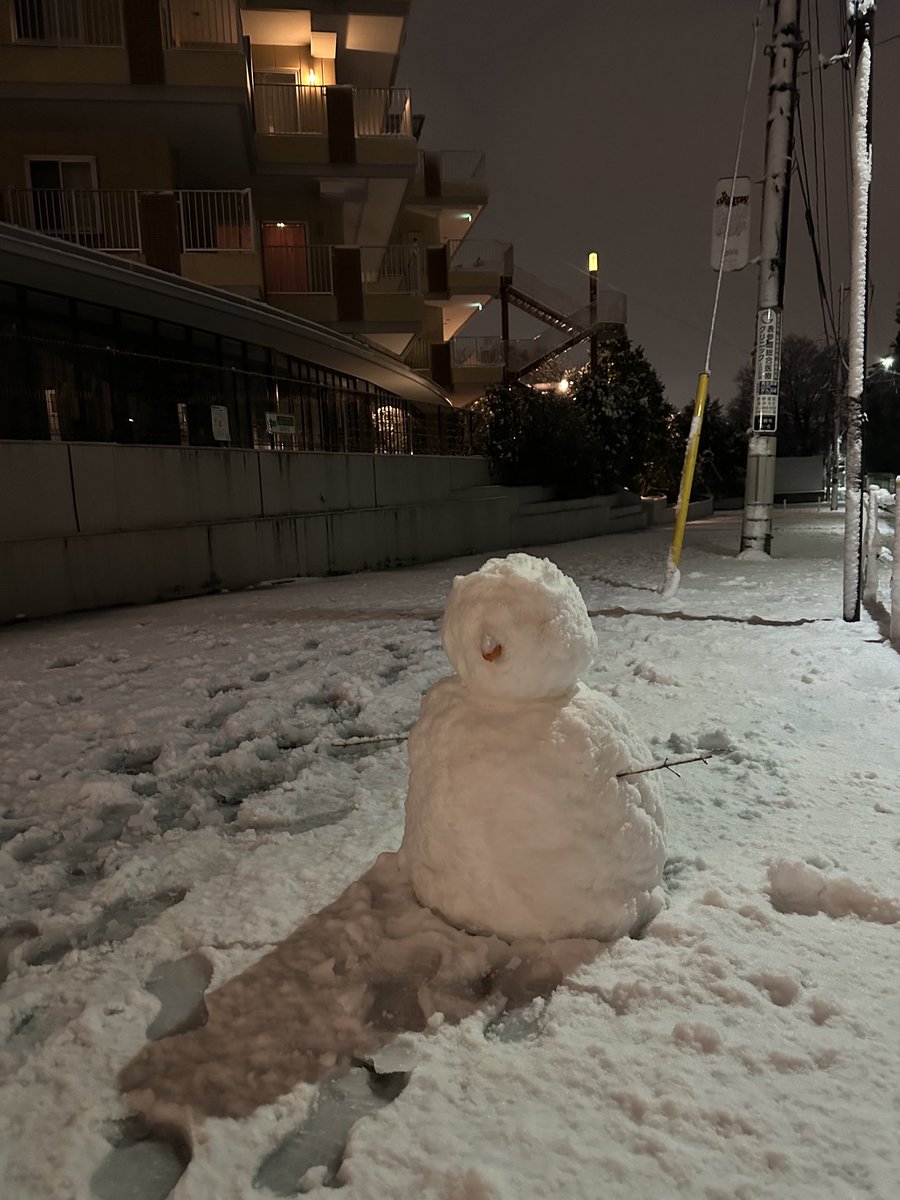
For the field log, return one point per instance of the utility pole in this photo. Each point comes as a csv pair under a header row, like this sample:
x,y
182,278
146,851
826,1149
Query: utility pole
x,y
759,497
593,266
862,19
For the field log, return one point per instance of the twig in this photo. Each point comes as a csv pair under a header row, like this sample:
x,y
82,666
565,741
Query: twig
x,y
669,763
376,737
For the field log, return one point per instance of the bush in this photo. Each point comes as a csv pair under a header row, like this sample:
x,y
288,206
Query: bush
x,y
536,438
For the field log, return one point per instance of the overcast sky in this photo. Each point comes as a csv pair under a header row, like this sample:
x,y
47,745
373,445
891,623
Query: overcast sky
x,y
606,124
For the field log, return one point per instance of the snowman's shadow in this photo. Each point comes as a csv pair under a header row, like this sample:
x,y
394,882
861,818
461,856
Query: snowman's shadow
x,y
370,966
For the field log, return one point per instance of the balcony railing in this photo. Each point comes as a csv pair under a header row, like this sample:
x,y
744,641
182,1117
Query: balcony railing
x,y
216,220
102,220
290,108
301,108
200,24
391,269
456,166
493,258
298,270
68,22
417,354
382,112
476,352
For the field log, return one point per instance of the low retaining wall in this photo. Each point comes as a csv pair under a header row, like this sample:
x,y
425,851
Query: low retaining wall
x,y
659,512
86,526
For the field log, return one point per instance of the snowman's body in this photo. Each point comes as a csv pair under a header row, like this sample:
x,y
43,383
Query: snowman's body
x,y
515,821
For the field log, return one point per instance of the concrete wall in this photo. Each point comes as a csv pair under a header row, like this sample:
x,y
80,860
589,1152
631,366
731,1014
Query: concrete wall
x,y
89,525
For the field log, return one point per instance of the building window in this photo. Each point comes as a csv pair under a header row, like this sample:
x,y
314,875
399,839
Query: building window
x,y
63,198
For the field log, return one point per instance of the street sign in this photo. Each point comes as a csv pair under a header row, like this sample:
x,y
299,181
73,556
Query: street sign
x,y
737,248
279,422
767,374
219,417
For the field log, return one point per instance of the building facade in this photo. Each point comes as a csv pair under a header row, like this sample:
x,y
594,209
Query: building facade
x,y
262,147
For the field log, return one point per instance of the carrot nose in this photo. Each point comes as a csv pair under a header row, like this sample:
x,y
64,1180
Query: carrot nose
x,y
493,654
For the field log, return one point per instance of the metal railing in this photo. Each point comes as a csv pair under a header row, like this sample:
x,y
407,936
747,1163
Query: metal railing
x,y
476,352
382,112
290,108
456,166
216,220
494,258
68,22
298,270
417,354
390,269
200,24
102,220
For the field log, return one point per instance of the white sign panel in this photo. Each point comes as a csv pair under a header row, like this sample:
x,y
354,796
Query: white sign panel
x,y
279,422
768,370
737,248
219,416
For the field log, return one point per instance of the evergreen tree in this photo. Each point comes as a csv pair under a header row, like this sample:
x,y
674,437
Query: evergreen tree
x,y
631,422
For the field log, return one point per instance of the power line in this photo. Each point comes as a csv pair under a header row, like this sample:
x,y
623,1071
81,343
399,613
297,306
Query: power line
x,y
803,177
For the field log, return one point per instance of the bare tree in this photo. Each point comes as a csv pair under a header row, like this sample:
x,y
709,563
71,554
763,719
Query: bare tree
x,y
804,398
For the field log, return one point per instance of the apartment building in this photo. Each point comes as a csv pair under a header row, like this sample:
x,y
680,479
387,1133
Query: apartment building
x,y
262,147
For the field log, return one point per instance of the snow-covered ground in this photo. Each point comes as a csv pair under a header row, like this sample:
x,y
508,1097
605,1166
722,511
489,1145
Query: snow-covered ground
x,y
177,823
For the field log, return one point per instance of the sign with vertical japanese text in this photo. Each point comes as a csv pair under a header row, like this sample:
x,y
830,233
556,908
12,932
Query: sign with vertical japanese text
x,y
767,374
737,246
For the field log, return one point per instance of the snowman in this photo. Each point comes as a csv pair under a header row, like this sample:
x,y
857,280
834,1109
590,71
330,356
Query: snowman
x,y
516,821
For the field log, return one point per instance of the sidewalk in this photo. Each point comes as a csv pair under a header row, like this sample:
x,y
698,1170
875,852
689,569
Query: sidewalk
x,y
170,794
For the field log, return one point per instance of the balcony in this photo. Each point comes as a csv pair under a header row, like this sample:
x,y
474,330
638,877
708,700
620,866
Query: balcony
x,y
68,23
480,258
372,289
200,24
216,220
449,187
315,124
206,236
99,220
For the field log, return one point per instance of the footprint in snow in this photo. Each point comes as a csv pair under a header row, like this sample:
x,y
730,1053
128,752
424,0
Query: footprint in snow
x,y
179,987
314,1151
139,1167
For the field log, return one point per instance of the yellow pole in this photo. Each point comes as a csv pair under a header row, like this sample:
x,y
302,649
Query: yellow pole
x,y
687,483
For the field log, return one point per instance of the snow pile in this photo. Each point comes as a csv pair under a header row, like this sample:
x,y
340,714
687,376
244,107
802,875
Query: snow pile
x,y
746,1046
516,822
804,889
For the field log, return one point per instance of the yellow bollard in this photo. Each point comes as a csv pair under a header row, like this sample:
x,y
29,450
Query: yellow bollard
x,y
673,575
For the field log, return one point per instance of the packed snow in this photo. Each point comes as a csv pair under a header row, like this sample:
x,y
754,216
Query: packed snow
x,y
208,935
517,822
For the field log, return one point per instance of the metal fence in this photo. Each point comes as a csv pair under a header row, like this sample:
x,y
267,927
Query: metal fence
x,y
417,354
216,220
101,220
68,22
382,112
298,270
200,24
390,269
495,258
476,352
290,108
83,392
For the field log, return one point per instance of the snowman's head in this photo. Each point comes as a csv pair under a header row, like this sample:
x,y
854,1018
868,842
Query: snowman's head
x,y
518,629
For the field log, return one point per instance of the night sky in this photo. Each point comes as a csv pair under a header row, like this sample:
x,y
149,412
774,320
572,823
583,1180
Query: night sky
x,y
606,126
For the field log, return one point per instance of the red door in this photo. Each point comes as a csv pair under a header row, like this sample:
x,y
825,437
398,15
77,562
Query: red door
x,y
284,258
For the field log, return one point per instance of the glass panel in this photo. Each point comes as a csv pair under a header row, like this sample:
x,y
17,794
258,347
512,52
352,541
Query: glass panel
x,y
45,173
